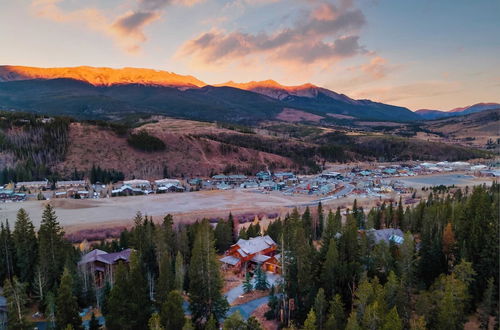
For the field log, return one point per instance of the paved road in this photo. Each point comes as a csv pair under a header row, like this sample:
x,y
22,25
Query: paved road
x,y
248,308
348,188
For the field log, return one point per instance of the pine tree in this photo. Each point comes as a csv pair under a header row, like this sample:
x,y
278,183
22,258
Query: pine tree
x,y
273,304
67,312
166,279
320,223
128,304
188,325
25,244
310,323
247,284
51,250
223,236
243,233
172,314
392,321
333,226
205,282
307,223
406,262
336,316
253,324
486,306
15,293
234,322
211,323
320,308
7,252
139,303
331,269
261,279
180,272
154,322
116,311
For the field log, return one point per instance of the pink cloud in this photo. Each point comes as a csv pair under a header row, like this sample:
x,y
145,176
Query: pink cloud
x,y
325,33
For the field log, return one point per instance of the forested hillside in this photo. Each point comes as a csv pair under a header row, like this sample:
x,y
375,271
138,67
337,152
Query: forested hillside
x,y
335,275
38,147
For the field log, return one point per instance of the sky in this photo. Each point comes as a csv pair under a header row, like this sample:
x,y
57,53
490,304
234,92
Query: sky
x,y
419,54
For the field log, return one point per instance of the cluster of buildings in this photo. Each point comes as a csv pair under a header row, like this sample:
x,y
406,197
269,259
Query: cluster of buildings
x,y
263,180
365,181
146,187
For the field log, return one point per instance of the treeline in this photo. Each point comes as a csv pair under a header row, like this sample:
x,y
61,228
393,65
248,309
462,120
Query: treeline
x,y
339,147
301,153
145,142
97,174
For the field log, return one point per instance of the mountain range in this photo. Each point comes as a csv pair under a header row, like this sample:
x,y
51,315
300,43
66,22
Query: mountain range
x,y
438,114
106,93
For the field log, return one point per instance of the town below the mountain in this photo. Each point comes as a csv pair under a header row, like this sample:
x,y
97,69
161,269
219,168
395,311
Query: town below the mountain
x,y
142,199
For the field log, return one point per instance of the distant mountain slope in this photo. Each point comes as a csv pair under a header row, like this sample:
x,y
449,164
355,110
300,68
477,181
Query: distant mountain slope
x,y
477,130
82,100
100,76
437,114
321,100
105,93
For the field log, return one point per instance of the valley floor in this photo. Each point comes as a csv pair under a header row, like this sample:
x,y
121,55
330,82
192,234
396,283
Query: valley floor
x,y
77,215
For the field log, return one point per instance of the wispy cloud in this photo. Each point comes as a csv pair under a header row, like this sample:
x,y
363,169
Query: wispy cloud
x,y
127,29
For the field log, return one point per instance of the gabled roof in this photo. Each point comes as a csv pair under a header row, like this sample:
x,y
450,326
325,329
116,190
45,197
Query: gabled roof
x,y
254,245
230,260
387,235
260,258
104,257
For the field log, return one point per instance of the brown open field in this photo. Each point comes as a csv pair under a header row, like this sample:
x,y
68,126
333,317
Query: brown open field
x,y
76,215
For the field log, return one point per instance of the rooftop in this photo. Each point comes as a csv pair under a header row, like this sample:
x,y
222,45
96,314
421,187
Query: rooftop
x,y
254,245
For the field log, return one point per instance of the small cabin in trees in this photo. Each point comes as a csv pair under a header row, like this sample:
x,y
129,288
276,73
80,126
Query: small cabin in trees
x,y
246,254
100,265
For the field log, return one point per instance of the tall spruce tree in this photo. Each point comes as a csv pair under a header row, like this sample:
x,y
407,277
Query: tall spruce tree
x,y
336,316
172,314
52,247
128,305
116,306
180,272
247,283
310,323
66,304
7,253
166,279
205,281
25,243
331,270
320,308
261,279
15,293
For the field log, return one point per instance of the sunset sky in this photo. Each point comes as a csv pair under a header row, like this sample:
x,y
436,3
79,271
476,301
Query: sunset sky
x,y
419,54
